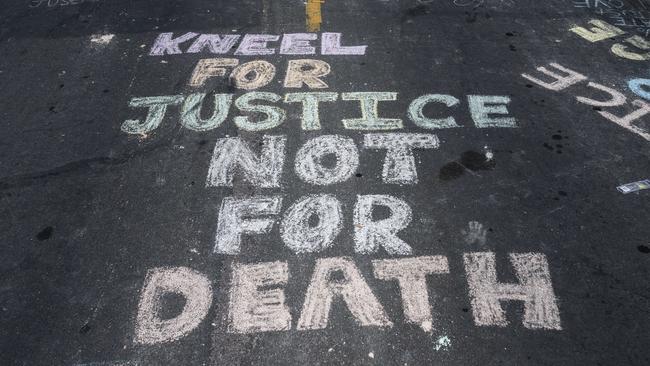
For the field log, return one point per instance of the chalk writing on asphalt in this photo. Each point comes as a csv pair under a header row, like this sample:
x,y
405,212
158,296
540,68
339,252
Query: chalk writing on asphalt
x,y
256,300
57,3
616,12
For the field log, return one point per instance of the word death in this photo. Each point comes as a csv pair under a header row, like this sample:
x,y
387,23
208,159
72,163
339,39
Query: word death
x,y
257,296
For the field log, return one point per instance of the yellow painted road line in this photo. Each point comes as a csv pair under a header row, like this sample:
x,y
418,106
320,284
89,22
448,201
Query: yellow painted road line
x,y
313,13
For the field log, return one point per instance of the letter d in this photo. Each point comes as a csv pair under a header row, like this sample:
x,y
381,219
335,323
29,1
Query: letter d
x,y
150,328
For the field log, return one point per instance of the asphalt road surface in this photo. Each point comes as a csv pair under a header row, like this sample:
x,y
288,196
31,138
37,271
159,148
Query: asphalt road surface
x,y
371,182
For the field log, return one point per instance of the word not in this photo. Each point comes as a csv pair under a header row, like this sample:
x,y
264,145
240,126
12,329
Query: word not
x,y
257,298
603,30
615,99
254,44
485,110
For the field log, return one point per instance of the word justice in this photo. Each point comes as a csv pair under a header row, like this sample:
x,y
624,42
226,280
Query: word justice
x,y
485,111
256,301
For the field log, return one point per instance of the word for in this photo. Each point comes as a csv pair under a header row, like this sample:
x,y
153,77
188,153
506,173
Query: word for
x,y
257,215
54,3
258,73
254,44
485,110
603,30
615,98
257,297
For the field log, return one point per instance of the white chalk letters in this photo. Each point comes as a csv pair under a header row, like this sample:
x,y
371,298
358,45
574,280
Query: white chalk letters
x,y
257,299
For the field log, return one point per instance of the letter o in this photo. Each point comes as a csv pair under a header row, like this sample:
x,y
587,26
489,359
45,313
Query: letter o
x,y
299,235
263,72
309,165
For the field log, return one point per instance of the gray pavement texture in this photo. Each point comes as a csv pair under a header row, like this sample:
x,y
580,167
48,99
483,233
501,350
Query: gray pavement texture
x,y
88,210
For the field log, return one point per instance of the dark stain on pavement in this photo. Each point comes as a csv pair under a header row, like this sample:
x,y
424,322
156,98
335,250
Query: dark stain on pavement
x,y
471,160
45,234
451,171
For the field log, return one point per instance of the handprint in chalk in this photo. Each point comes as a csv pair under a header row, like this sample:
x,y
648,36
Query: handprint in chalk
x,y
475,234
